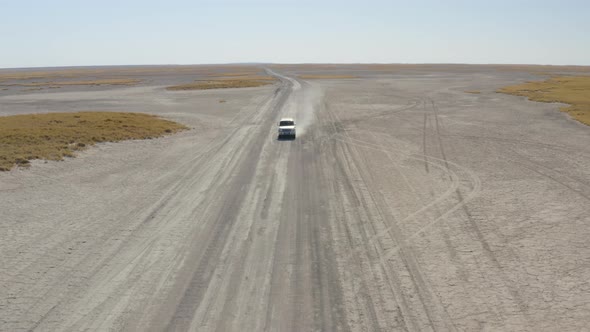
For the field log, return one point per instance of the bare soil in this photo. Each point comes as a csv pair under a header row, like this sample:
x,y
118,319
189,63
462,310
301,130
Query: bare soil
x,y
403,204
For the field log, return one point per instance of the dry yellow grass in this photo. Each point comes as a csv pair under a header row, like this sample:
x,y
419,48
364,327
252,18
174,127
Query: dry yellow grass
x,y
54,136
398,67
8,74
31,75
326,76
53,84
543,69
233,74
224,83
240,70
252,77
475,92
573,90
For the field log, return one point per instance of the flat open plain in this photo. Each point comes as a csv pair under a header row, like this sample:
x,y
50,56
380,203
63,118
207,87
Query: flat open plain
x,y
404,204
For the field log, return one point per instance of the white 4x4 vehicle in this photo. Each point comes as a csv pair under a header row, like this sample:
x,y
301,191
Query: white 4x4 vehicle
x,y
287,128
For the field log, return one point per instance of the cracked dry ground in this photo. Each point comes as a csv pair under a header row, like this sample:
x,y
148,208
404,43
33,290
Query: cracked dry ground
x,y
404,204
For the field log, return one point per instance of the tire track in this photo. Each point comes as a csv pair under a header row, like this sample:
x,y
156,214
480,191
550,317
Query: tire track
x,y
70,268
473,225
420,285
424,153
542,170
366,301
223,221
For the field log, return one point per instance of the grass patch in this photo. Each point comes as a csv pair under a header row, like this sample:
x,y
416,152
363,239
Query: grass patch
x,y
573,90
326,76
31,75
54,136
123,72
475,92
224,83
111,81
55,73
249,77
232,74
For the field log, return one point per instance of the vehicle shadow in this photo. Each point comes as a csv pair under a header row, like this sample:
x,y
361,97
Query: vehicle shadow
x,y
285,138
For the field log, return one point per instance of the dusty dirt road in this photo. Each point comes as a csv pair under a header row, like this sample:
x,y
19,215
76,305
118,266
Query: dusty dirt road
x,y
404,204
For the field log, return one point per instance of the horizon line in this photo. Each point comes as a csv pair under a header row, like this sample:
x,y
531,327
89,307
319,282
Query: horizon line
x,y
294,63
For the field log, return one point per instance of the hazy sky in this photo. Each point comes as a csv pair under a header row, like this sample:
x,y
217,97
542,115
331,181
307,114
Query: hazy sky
x,y
116,32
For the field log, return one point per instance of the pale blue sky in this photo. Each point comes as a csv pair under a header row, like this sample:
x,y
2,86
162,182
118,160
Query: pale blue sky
x,y
109,32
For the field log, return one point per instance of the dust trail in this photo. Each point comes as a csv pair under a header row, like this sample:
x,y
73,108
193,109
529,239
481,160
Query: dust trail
x,y
303,102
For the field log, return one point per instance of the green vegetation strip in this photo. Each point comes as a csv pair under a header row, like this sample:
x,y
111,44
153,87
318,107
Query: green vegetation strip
x,y
54,136
573,90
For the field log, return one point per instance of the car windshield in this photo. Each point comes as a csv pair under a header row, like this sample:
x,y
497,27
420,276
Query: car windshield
x,y
286,123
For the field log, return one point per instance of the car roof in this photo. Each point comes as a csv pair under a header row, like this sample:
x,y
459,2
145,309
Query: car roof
x,y
287,119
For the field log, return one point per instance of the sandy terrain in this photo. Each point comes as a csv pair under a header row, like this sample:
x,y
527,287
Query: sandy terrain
x,y
404,204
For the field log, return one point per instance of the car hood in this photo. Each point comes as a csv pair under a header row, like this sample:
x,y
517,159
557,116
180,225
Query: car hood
x,y
287,127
